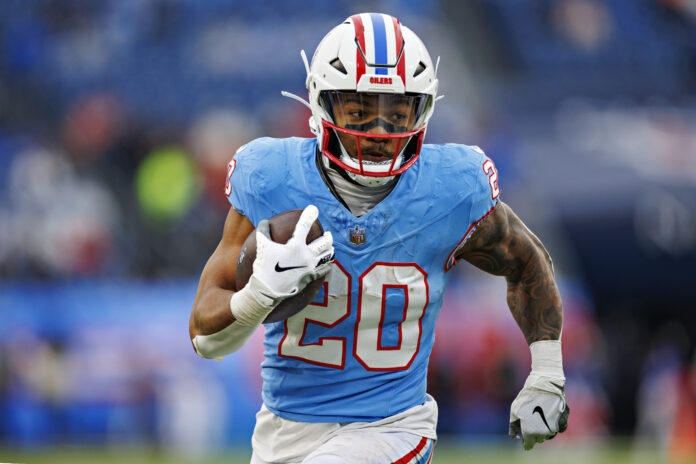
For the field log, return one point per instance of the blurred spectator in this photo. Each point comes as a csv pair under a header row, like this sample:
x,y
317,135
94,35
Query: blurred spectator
x,y
665,406
192,420
167,185
61,223
91,128
214,137
684,7
585,23
683,440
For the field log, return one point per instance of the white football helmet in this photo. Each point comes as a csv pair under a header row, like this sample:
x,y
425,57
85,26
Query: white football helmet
x,y
372,88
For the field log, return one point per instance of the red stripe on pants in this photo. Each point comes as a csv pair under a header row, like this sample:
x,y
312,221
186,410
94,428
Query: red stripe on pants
x,y
413,453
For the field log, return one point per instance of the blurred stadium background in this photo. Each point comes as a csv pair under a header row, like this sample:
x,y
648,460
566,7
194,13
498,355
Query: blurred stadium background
x,y
118,117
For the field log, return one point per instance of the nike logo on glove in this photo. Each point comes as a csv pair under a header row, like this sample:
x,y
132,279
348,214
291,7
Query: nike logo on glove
x,y
543,417
278,268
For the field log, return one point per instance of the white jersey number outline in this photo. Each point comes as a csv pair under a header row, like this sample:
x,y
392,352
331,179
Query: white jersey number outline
x,y
368,348
228,182
490,170
328,351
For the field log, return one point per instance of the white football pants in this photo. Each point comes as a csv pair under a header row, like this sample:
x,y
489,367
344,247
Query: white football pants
x,y
368,447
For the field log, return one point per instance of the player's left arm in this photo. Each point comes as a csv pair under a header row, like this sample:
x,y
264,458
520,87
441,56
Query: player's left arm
x,y
502,245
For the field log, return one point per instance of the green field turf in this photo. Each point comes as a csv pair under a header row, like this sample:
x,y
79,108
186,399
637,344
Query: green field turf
x,y
445,453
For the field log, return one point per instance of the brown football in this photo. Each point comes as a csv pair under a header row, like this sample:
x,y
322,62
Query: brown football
x,y
281,226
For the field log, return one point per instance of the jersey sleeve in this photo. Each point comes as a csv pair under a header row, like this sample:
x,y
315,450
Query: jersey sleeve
x,y
234,186
256,169
486,192
484,195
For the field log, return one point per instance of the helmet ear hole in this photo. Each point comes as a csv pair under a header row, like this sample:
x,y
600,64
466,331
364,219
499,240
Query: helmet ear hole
x,y
419,69
336,63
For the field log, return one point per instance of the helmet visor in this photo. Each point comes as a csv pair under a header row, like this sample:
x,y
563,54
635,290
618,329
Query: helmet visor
x,y
375,112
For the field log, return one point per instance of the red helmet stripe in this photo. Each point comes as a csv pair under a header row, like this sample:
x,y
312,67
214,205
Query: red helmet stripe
x,y
360,35
401,65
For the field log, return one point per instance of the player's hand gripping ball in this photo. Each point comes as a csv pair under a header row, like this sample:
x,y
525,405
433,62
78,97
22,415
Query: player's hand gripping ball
x,y
283,265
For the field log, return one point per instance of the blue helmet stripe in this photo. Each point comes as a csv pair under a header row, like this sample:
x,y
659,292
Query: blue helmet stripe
x,y
380,39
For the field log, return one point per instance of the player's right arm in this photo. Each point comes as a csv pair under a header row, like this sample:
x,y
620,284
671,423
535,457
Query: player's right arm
x,y
211,315
224,316
211,309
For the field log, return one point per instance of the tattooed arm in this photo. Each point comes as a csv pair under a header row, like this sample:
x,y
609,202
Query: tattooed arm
x,y
502,245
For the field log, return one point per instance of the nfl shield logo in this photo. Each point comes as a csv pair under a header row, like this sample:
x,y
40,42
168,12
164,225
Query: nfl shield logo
x,y
357,235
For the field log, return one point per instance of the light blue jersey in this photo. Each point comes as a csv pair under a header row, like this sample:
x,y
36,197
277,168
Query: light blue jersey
x,y
360,351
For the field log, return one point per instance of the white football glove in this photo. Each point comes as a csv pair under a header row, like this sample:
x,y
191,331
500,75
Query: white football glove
x,y
540,410
282,270
286,269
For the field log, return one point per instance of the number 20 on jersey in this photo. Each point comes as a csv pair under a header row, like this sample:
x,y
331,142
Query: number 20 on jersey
x,y
368,348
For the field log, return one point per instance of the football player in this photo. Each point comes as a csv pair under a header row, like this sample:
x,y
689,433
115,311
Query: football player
x,y
344,380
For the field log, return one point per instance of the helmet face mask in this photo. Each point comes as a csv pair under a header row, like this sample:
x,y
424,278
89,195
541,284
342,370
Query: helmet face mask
x,y
371,155
372,89
369,134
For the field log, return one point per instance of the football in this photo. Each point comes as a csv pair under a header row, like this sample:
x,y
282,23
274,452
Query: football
x,y
281,227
